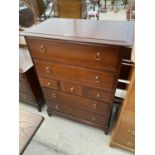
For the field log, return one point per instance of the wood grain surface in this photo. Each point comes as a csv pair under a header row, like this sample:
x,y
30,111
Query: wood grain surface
x,y
28,125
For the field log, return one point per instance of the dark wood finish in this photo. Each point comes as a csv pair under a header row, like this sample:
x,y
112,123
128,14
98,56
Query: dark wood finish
x,y
49,83
69,54
99,95
28,125
87,55
77,101
75,112
94,78
71,8
84,31
29,87
123,134
71,88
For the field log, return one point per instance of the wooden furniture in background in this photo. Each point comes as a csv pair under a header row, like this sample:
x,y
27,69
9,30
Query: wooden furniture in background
x,y
38,6
71,8
78,68
29,87
123,134
28,125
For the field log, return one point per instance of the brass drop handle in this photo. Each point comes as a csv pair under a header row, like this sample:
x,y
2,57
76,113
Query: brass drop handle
x,y
71,89
98,95
131,131
48,83
97,79
57,107
47,69
54,95
98,56
24,96
42,48
94,106
93,118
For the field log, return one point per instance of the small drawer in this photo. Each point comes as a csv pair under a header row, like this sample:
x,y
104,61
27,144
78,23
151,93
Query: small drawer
x,y
23,97
99,95
49,83
78,113
71,88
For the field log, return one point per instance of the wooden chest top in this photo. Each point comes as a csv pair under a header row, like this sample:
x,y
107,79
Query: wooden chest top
x,y
81,30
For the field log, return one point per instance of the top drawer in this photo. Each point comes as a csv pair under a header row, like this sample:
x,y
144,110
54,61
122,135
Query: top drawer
x,y
86,55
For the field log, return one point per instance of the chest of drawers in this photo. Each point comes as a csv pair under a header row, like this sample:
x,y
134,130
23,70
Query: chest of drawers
x,y
77,68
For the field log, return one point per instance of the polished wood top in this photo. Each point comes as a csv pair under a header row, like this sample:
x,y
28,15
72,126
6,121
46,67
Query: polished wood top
x,y
81,30
28,125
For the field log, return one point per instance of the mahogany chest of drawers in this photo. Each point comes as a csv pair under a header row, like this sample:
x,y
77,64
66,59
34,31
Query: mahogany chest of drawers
x,y
78,63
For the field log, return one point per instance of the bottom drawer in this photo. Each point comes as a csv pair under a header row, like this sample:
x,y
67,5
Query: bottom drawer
x,y
75,112
26,98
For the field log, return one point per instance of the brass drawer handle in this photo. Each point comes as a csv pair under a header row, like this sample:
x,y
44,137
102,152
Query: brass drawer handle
x,y
98,56
97,79
71,89
54,95
94,106
132,132
47,69
93,118
42,48
48,83
98,95
57,107
24,96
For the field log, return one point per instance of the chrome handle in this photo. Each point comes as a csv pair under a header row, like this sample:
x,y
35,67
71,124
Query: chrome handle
x,y
47,69
71,89
54,95
98,95
94,106
48,83
57,107
93,118
98,56
42,48
97,79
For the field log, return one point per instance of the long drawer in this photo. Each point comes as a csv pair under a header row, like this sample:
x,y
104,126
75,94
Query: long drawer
x,y
75,112
98,79
77,101
88,55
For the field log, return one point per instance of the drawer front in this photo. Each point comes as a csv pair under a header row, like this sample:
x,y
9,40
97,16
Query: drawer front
x,y
23,86
49,83
91,56
71,88
98,79
126,130
77,101
78,113
26,98
99,95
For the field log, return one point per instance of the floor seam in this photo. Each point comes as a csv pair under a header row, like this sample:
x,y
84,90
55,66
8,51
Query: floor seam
x,y
51,148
